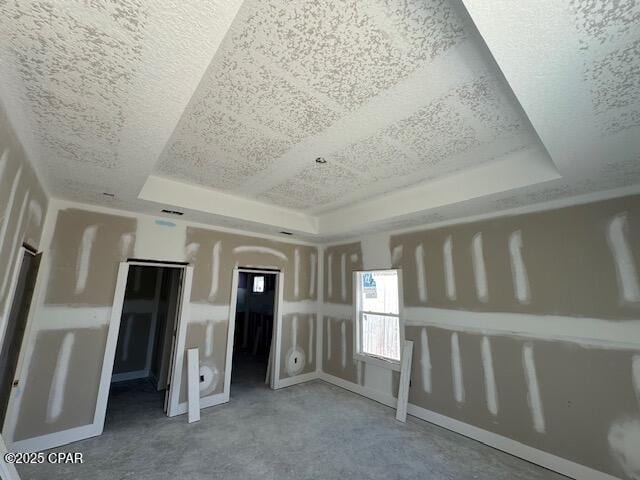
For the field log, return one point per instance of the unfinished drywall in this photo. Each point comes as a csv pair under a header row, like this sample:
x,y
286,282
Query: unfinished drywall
x,y
505,265
79,279
298,350
214,255
63,381
23,205
525,326
340,262
60,376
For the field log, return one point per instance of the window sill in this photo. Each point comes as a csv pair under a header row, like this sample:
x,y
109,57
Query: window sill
x,y
380,362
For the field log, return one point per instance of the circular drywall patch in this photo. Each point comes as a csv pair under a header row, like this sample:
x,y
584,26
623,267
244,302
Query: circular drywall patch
x,y
209,376
295,361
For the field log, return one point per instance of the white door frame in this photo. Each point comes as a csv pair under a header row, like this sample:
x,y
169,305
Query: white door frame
x,y
114,328
276,339
179,352
10,415
15,267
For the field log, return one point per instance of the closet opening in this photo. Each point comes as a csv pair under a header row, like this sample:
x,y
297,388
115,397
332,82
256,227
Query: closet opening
x,y
142,364
254,347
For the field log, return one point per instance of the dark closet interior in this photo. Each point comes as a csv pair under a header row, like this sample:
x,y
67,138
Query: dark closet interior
x,y
141,366
254,327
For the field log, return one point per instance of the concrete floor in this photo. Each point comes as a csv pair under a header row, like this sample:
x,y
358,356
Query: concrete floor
x,y
309,431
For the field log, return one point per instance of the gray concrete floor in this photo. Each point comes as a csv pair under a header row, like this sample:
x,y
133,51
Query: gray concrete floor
x,y
309,431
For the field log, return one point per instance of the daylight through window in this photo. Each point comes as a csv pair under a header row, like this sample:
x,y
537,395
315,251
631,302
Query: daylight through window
x,y
378,314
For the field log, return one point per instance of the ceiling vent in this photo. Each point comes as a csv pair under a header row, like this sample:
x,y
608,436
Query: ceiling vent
x,y
172,212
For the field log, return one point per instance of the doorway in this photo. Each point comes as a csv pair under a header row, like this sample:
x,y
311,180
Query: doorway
x,y
29,263
148,321
255,315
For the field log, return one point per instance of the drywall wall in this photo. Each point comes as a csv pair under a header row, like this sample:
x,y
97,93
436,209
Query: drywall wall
x,y
60,375
23,205
214,255
525,326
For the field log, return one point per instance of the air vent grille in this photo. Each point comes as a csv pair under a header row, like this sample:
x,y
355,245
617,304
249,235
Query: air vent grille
x,y
172,212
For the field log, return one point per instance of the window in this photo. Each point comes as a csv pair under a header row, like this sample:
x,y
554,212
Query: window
x,y
378,328
258,284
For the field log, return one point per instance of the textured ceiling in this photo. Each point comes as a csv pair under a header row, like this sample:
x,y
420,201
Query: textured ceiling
x,y
241,97
290,70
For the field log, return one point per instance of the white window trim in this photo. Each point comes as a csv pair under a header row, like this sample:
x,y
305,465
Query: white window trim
x,y
358,354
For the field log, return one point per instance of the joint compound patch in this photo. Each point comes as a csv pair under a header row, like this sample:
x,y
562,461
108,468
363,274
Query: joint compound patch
x,y
624,442
209,378
295,361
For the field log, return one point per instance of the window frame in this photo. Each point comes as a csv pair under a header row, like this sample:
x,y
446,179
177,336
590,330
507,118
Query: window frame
x,y
264,285
358,316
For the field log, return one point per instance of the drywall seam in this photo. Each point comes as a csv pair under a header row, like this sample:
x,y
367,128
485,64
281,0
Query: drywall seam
x,y
84,257
590,332
311,337
533,389
313,259
259,249
449,273
126,242
479,268
626,272
489,376
296,273
300,306
9,209
3,162
329,338
456,369
329,275
215,269
14,243
624,441
421,274
35,211
191,250
635,373
59,380
343,276
343,343
396,255
208,340
425,361
518,268
294,331
63,317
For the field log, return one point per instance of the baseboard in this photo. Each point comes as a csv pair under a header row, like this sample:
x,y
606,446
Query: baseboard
x,y
305,377
499,442
379,397
121,377
51,440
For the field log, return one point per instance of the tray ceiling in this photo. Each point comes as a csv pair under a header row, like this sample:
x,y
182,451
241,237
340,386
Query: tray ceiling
x,y
221,108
